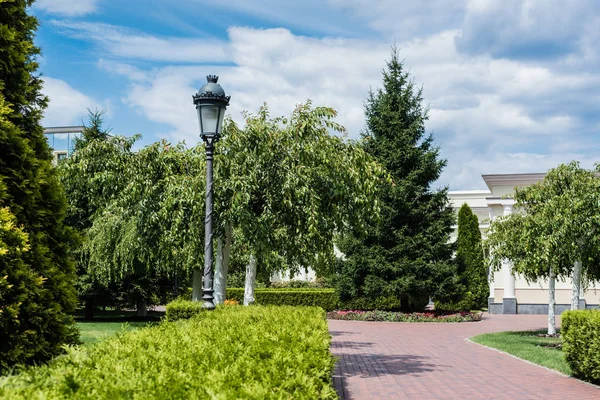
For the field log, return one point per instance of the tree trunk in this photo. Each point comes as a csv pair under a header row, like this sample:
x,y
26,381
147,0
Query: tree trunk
x,y
197,285
89,309
551,303
576,285
222,266
142,308
250,281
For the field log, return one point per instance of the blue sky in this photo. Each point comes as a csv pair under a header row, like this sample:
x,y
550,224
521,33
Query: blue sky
x,y
512,86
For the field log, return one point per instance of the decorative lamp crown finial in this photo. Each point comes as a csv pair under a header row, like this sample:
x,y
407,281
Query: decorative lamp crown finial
x,y
212,78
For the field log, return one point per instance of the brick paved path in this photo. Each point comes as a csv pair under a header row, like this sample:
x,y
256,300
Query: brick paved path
x,y
386,360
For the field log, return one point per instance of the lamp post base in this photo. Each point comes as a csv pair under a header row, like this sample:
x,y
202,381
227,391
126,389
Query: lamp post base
x,y
208,305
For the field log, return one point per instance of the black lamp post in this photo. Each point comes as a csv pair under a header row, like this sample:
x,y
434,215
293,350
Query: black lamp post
x,y
211,103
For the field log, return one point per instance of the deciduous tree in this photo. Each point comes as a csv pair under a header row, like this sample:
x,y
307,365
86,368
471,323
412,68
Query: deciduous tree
x,y
557,224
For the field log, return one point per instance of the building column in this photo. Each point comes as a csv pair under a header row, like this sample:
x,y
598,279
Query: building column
x,y
509,300
492,296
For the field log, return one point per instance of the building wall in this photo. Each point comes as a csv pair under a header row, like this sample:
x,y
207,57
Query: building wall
x,y
489,204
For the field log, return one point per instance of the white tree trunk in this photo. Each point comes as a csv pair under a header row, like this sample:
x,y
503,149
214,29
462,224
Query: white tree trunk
x,y
250,281
551,303
576,285
222,265
197,285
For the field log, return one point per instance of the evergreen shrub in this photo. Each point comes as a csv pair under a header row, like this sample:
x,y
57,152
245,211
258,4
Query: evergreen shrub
x,y
581,343
228,353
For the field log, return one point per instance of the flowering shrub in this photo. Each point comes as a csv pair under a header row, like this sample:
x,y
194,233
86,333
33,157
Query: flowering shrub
x,y
231,302
391,316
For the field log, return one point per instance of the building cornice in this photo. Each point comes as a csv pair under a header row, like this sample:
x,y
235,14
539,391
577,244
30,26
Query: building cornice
x,y
512,179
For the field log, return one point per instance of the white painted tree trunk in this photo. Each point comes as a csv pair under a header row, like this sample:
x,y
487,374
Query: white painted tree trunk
x,y
250,281
551,303
197,285
576,285
222,266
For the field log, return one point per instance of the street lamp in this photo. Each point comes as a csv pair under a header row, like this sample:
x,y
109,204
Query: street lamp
x,y
211,103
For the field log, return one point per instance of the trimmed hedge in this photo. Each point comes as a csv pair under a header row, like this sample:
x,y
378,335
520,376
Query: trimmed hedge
x,y
228,353
327,299
581,343
182,309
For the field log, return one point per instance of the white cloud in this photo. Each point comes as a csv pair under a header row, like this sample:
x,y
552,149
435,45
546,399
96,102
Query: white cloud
x,y
479,124
70,8
490,112
130,44
67,105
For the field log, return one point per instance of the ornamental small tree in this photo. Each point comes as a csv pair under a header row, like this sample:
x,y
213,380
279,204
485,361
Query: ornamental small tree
x,y
92,177
37,294
473,289
286,186
152,230
558,224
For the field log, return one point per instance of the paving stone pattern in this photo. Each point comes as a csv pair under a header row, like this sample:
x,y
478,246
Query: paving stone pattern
x,y
387,360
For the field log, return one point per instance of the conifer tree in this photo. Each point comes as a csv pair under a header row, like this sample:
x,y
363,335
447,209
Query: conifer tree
x,y
406,254
473,290
469,258
41,278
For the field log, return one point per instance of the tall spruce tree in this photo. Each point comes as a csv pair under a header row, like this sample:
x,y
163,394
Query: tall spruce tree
x,y
35,326
407,254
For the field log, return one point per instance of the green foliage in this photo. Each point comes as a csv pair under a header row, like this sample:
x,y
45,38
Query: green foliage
x,y
389,316
473,289
287,185
406,254
140,215
93,177
182,309
319,283
581,343
327,299
378,303
557,224
282,353
36,289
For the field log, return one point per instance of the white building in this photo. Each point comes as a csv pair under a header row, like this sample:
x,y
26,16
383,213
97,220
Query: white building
x,y
510,294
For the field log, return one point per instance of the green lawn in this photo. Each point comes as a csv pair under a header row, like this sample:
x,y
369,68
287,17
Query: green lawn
x,y
528,346
92,332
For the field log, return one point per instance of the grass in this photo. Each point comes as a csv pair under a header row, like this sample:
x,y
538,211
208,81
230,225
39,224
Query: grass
x,y
93,332
528,346
107,323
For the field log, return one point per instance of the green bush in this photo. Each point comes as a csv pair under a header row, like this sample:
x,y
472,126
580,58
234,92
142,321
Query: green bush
x,y
327,299
228,353
324,298
319,283
581,343
182,309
